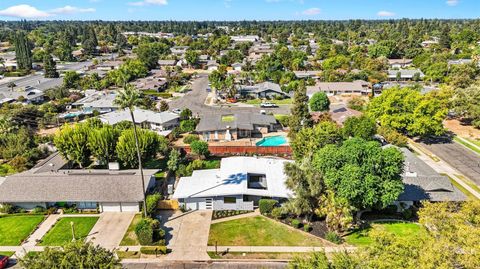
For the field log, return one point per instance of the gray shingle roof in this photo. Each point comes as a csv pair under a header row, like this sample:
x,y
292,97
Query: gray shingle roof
x,y
141,115
241,121
422,182
47,183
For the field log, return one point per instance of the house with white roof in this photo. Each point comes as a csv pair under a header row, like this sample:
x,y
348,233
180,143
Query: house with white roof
x,y
405,74
162,122
238,184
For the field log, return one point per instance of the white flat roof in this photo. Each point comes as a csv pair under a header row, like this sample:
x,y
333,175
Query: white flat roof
x,y
231,179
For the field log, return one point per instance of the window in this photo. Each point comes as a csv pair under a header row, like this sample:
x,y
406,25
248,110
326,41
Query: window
x,y
229,200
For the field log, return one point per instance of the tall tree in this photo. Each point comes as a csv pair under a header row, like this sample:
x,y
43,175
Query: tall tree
x,y
72,143
50,66
102,143
128,98
23,51
300,117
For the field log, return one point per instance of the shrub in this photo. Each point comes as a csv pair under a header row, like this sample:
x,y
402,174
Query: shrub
x,y
187,126
307,228
200,148
319,102
407,213
190,138
152,202
144,232
333,237
266,205
39,210
295,223
7,209
277,213
154,250
392,136
357,103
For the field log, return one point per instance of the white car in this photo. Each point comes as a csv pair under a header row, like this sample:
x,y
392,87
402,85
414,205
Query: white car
x,y
268,105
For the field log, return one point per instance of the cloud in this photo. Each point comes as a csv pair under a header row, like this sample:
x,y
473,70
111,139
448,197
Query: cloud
x,y
384,13
71,10
311,11
24,11
149,2
452,3
29,12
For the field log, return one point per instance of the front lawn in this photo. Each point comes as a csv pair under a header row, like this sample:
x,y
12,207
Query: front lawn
x,y
15,229
130,238
61,232
403,229
258,231
287,101
7,253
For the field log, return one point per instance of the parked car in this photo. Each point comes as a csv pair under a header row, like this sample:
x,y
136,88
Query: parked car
x,y
177,111
3,261
268,105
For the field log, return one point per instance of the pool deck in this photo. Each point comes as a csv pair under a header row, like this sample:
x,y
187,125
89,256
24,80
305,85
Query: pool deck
x,y
239,142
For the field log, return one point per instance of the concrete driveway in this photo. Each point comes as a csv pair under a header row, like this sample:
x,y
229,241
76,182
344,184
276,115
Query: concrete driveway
x,y
189,235
110,228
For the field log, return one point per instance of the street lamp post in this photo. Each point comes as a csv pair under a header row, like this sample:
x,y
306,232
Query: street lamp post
x,y
73,231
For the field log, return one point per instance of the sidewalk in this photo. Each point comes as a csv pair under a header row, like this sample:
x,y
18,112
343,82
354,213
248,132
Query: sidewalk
x,y
44,227
441,167
469,143
241,216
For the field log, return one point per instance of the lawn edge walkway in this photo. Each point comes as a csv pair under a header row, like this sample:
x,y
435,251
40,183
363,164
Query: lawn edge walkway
x,y
240,216
286,249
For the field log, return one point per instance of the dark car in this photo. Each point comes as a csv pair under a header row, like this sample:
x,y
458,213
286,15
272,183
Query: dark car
x,y
3,261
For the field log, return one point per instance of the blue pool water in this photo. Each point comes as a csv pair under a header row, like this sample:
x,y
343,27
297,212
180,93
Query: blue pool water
x,y
272,141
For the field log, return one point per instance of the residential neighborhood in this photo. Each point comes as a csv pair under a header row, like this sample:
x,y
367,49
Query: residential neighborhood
x,y
239,134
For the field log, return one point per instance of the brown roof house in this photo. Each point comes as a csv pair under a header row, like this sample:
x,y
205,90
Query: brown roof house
x,y
217,127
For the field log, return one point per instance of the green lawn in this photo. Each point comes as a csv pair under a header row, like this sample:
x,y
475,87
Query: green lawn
x,y
7,253
130,238
61,232
258,231
403,229
15,229
474,141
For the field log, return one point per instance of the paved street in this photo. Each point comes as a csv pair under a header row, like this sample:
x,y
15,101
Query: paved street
x,y
461,158
195,101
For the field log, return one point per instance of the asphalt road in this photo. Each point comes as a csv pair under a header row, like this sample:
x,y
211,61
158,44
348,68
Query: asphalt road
x,y
461,158
207,265
195,101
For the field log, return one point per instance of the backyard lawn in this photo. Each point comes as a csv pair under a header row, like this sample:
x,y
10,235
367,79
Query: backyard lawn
x,y
61,232
130,238
258,231
15,229
403,229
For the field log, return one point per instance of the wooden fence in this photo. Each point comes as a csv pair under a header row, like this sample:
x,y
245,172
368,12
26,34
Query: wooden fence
x,y
246,150
168,204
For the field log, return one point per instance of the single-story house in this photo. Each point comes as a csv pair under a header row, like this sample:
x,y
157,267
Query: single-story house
x,y
462,61
266,89
50,183
405,74
212,65
238,184
109,65
338,113
29,95
151,83
399,63
358,87
102,102
179,50
237,66
431,42
156,121
167,63
423,183
219,127
245,38
307,74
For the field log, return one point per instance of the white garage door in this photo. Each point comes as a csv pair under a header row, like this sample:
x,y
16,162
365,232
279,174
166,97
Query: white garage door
x,y
111,207
130,207
195,203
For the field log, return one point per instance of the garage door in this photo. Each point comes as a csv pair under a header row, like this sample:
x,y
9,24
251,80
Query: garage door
x,y
195,203
130,207
111,207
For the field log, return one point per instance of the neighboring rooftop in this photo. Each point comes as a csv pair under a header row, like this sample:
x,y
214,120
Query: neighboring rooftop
x,y
141,116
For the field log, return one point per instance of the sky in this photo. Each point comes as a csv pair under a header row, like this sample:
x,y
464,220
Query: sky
x,y
233,10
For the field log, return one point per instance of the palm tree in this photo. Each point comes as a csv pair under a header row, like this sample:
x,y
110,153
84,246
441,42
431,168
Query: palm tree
x,y
128,98
11,85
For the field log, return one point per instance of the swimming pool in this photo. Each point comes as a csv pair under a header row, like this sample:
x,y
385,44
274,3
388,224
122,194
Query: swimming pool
x,y
272,141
